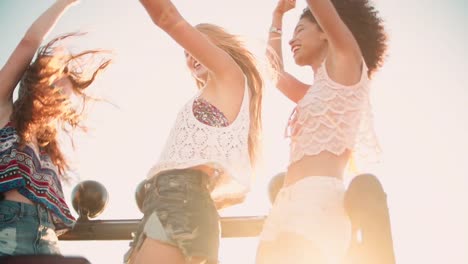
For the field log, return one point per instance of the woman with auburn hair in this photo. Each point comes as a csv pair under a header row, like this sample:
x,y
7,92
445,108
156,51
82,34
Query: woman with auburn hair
x,y
33,210
208,158
344,42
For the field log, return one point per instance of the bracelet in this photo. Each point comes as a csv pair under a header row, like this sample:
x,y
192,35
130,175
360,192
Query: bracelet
x,y
276,30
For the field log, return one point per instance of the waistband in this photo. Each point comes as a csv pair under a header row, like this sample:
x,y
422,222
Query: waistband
x,y
188,176
27,210
320,180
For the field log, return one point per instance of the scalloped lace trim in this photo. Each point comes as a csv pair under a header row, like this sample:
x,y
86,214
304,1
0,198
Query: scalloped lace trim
x,y
332,117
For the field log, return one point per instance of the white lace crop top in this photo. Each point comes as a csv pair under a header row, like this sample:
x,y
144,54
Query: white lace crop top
x,y
192,143
333,117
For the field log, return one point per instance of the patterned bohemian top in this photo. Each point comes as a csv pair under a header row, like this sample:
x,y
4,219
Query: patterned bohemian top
x,y
34,175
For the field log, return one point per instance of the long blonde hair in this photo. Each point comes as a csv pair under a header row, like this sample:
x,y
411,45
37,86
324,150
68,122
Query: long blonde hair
x,y
233,45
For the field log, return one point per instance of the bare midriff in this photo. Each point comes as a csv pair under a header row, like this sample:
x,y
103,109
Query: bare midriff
x,y
15,196
323,164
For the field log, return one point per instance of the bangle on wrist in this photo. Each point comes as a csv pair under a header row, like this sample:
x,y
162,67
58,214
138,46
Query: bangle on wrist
x,y
276,30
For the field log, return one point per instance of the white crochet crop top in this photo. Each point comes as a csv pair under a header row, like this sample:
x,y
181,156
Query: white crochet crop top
x,y
192,143
333,117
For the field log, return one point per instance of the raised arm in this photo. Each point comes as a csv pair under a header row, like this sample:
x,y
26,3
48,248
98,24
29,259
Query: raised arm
x,y
345,52
19,60
286,83
165,15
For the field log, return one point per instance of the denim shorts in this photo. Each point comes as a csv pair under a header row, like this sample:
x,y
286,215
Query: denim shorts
x,y
178,210
26,229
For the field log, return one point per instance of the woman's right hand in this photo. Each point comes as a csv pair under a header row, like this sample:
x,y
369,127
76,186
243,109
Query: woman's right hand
x,y
70,2
284,6
13,70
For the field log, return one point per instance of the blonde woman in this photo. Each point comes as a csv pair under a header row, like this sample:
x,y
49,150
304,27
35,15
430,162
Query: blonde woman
x,y
208,158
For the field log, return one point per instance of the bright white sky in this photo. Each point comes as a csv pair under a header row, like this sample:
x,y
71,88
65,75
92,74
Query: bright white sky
x,y
420,103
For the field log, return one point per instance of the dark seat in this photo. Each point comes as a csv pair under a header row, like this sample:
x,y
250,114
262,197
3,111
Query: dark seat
x,y
42,259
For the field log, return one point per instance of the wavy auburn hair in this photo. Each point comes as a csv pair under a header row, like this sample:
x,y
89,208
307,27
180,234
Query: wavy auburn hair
x,y
41,107
236,48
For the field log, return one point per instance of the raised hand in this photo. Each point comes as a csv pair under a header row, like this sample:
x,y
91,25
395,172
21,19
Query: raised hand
x,y
284,6
19,60
69,2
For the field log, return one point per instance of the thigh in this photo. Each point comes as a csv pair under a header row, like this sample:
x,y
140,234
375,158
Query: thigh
x,y
22,232
8,240
200,260
9,224
277,217
181,213
326,228
48,241
194,228
206,228
289,248
154,251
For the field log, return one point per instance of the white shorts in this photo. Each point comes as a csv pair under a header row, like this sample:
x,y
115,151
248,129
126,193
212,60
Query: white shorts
x,y
312,208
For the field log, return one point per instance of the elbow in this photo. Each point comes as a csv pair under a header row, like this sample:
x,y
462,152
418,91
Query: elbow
x,y
167,18
275,61
170,18
281,84
280,79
